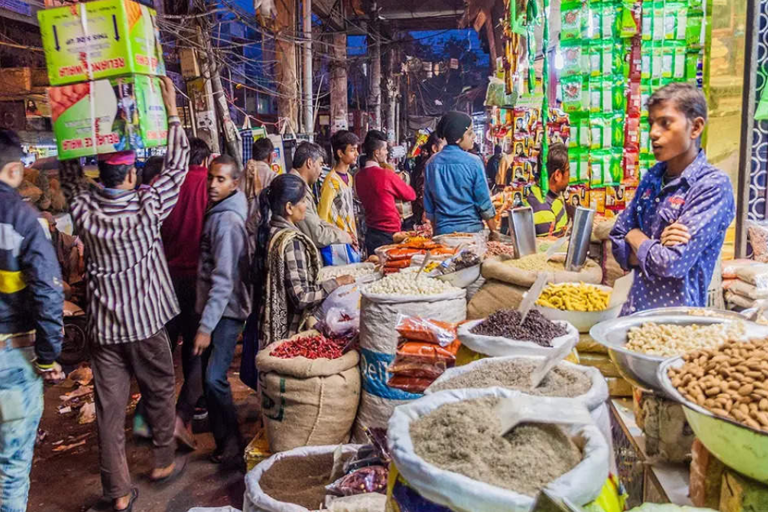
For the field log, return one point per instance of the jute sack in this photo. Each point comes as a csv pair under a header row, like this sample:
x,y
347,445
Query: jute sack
x,y
496,268
307,402
493,296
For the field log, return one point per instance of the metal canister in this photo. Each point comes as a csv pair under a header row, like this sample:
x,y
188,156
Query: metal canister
x,y
581,234
523,231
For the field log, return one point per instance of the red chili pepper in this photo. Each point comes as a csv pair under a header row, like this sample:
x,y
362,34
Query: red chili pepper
x,y
310,347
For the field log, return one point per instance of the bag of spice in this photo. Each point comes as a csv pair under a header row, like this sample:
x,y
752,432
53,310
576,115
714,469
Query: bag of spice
x,y
416,328
428,435
307,401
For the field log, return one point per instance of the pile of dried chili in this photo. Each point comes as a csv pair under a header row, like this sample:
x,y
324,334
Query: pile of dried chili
x,y
311,347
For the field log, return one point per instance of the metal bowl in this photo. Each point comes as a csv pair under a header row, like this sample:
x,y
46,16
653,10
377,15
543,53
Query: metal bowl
x,y
640,369
741,447
707,312
582,320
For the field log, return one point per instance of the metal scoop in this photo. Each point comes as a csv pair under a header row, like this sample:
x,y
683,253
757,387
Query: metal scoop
x,y
533,409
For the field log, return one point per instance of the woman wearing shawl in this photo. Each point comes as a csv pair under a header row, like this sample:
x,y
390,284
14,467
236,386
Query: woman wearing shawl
x,y
290,262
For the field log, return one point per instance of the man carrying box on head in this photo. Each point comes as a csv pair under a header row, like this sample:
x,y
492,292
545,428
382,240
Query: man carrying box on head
x,y
549,214
131,298
674,228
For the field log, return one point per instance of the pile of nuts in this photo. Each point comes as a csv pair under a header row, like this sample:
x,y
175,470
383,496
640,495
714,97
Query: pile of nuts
x,y
404,283
356,270
498,248
730,381
670,340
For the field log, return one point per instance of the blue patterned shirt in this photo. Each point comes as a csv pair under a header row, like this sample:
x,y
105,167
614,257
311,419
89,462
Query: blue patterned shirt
x,y
701,198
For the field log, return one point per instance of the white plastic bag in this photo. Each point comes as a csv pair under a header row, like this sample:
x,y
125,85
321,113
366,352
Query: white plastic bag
x,y
462,494
256,500
345,299
497,346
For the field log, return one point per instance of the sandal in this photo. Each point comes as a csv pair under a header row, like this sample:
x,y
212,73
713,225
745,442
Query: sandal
x,y
180,464
129,508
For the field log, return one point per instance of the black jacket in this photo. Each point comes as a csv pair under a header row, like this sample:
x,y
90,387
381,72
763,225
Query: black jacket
x,y
31,292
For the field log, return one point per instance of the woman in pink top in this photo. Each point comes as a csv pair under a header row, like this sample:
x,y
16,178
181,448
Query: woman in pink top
x,y
378,188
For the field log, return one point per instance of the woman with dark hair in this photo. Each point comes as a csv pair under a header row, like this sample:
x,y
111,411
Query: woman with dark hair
x,y
433,146
289,262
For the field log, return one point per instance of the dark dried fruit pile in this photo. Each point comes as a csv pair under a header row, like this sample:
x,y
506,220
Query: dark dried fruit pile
x,y
506,324
311,347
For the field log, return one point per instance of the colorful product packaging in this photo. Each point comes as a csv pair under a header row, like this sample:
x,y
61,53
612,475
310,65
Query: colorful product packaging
x,y
597,200
108,115
572,14
100,39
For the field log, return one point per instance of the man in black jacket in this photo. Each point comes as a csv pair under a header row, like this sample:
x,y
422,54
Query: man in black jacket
x,y
492,167
31,306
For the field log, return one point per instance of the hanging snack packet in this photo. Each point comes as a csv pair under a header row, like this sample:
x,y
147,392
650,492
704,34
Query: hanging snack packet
x,y
670,20
608,19
617,130
596,124
668,60
693,30
682,22
619,99
585,136
647,26
607,57
572,60
632,133
678,68
631,166
658,20
597,200
595,95
584,168
634,100
616,171
631,18
629,193
594,56
421,329
571,87
657,62
692,66
645,95
594,28
572,13
596,166
645,69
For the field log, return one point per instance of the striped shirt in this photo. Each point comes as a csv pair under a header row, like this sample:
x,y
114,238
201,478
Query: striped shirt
x,y
130,295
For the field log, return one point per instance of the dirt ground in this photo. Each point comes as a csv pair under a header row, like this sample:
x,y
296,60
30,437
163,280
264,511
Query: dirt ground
x,y
68,480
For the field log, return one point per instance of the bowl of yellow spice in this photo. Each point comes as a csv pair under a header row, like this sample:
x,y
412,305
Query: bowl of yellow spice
x,y
582,305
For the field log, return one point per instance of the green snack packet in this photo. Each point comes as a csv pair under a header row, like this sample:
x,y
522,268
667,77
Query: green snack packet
x,y
618,94
608,20
617,130
596,127
670,20
658,20
574,156
615,170
584,167
585,135
607,58
100,39
647,28
682,22
645,95
628,26
691,66
645,137
595,95
595,25
572,60
597,164
573,139
693,30
607,96
645,69
668,60
109,115
607,131
570,28
657,62
595,59
571,89
678,71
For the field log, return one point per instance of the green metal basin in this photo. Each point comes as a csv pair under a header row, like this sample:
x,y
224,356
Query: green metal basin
x,y
738,446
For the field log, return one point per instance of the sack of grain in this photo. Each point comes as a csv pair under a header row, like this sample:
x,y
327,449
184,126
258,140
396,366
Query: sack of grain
x,y
582,484
307,402
298,486
501,269
593,384
497,346
378,346
493,296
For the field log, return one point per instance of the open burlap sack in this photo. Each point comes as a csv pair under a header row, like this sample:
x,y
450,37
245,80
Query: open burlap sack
x,y
308,402
493,296
496,268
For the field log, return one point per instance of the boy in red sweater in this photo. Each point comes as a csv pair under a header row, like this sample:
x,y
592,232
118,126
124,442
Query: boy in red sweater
x,y
378,188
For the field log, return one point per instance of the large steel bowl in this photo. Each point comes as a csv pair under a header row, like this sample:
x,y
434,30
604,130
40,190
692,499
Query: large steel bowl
x,y
641,369
582,320
741,447
708,312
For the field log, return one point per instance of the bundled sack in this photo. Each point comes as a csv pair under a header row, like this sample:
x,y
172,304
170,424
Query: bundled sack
x,y
307,402
755,274
379,343
493,296
258,481
459,493
758,239
729,267
496,268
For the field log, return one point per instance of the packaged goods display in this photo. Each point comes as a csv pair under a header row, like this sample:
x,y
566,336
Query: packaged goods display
x,y
515,374
430,331
464,438
669,340
730,381
536,262
405,284
417,364
109,115
535,328
574,297
101,39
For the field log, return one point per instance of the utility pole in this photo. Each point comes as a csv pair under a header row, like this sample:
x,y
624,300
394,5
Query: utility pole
x,y
285,55
339,111
374,96
391,97
309,117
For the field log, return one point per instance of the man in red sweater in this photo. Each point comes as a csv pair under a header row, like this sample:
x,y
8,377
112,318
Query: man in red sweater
x,y
378,188
181,233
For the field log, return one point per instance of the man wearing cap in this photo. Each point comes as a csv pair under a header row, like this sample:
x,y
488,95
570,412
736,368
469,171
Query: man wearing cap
x,y
456,195
131,298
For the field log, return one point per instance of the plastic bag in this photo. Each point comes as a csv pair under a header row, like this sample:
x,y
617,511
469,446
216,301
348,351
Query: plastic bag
x,y
339,254
409,384
345,299
430,331
731,266
418,369
755,274
419,351
758,239
360,481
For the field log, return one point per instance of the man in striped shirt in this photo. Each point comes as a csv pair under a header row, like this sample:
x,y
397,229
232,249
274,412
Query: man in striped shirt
x,y
131,298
